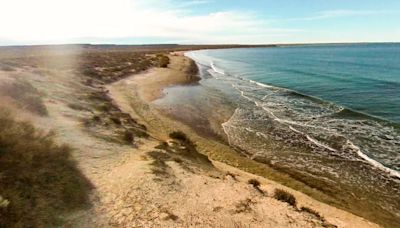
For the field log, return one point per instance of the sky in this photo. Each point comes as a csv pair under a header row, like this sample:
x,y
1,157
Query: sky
x,y
198,21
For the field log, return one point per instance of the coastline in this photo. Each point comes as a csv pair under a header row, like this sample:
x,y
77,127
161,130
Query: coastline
x,y
153,81
135,95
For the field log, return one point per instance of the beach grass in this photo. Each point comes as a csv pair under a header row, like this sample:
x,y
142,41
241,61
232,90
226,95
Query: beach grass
x,y
39,179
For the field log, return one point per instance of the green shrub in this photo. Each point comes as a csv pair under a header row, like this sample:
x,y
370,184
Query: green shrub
x,y
285,196
39,180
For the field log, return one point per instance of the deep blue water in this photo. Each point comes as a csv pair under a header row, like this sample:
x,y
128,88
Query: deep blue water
x,y
365,78
333,99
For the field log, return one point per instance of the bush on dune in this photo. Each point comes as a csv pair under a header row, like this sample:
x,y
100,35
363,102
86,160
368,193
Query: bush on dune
x,y
179,135
311,211
285,196
163,60
183,138
38,179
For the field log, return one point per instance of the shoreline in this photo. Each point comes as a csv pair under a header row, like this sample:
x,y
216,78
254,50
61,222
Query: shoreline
x,y
135,94
153,89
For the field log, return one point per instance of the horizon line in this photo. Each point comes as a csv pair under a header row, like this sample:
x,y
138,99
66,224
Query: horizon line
x,y
180,44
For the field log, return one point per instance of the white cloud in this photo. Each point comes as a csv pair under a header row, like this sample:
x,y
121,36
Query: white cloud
x,y
336,13
196,2
51,21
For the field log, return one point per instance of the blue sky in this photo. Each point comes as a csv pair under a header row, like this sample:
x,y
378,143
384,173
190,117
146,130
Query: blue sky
x,y
198,21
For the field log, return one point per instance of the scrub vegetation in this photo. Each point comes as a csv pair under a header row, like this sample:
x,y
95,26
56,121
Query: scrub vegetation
x,y
39,179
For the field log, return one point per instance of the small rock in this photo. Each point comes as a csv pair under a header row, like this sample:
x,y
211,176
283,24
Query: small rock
x,y
164,216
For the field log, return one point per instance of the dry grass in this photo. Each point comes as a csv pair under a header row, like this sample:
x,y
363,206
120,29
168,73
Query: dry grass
x,y
318,216
39,180
25,96
285,196
109,66
244,206
187,149
312,212
159,166
102,67
183,151
108,121
6,68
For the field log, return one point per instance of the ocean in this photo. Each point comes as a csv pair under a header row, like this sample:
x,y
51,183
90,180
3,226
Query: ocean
x,y
351,92
327,115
